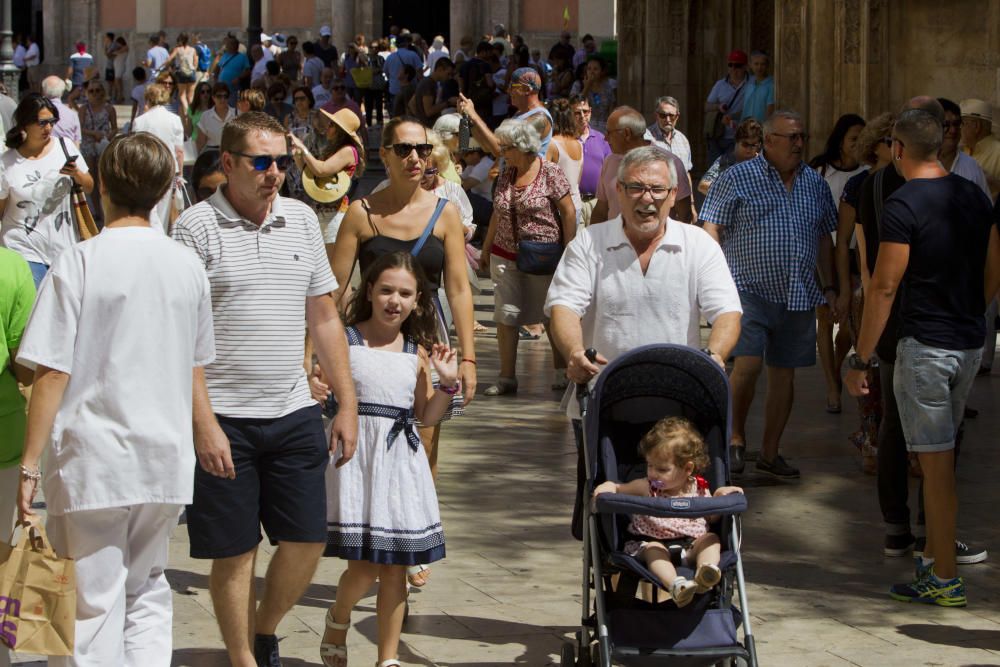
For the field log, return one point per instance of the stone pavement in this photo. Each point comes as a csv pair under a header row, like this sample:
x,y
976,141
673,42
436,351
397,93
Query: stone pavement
x,y
508,592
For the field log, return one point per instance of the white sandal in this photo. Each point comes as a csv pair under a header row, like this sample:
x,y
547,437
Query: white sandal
x,y
336,652
415,571
391,662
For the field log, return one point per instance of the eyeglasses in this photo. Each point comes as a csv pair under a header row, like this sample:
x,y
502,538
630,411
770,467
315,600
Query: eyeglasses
x,y
522,88
582,112
404,150
668,116
637,190
206,91
300,98
221,96
46,122
264,162
736,65
338,88
793,137
952,125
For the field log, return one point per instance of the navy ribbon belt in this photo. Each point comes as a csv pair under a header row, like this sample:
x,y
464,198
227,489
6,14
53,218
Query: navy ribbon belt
x,y
402,422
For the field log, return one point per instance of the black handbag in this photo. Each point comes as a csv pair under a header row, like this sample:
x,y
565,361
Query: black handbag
x,y
537,258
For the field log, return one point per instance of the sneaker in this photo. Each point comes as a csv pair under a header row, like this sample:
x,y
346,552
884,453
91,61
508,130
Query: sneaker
x,y
265,651
898,545
682,590
737,463
930,590
964,554
777,468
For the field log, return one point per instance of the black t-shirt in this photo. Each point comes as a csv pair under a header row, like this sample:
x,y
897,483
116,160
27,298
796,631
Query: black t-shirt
x,y
875,190
327,55
427,87
946,222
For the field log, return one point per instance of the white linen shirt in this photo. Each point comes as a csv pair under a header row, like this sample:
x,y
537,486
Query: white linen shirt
x,y
260,279
599,278
127,315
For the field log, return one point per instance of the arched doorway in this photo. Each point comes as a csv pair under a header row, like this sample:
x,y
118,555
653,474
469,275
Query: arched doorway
x,y
427,18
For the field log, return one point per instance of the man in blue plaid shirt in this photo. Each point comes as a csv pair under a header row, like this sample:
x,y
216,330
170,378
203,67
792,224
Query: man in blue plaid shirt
x,y
778,215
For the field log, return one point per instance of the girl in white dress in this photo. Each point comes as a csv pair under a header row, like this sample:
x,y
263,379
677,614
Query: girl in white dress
x,y
382,510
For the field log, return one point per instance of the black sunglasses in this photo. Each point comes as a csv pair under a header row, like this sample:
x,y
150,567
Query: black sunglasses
x,y
300,98
221,96
264,162
46,122
404,150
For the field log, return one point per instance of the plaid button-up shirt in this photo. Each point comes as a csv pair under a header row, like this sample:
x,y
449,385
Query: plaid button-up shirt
x,y
772,233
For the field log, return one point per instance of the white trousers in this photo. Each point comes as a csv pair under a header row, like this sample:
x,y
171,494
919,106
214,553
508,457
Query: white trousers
x,y
123,604
9,481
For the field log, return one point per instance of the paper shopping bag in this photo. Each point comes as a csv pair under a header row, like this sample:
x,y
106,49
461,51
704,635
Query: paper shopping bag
x,y
37,596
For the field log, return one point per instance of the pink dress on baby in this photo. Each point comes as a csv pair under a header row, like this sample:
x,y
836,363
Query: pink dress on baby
x,y
668,528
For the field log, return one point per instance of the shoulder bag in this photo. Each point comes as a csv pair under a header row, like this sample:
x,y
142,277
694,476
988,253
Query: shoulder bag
x,y
714,129
85,225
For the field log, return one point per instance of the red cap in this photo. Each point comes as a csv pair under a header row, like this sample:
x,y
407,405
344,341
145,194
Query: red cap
x,y
737,56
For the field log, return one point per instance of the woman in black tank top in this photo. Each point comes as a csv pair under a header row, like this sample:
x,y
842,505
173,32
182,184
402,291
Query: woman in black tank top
x,y
396,218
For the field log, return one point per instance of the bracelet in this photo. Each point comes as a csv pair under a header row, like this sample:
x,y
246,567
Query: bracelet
x,y
28,473
468,361
451,391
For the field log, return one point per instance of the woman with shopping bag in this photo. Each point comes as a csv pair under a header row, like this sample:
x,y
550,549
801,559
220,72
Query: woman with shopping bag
x,y
114,421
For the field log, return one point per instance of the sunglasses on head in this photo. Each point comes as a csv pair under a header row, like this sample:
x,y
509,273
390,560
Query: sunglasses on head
x,y
264,162
46,122
404,150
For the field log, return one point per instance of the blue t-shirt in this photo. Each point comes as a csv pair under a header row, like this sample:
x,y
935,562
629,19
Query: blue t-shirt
x,y
394,65
946,222
231,65
757,98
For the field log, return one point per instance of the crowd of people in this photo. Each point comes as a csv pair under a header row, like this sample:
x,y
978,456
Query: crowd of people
x,y
307,329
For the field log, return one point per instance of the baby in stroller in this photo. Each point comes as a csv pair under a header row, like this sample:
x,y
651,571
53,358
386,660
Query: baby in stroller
x,y
674,451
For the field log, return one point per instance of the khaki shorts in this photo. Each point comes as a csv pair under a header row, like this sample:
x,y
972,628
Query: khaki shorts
x,y
519,298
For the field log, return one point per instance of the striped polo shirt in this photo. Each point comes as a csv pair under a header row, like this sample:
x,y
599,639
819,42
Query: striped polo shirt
x,y
260,278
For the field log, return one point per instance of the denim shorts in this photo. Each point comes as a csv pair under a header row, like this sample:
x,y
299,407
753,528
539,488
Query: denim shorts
x,y
931,385
784,338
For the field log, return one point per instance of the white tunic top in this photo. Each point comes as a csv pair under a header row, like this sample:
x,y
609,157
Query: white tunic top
x,y
127,315
599,279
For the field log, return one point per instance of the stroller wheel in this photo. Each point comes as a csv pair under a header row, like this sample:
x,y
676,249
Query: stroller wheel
x,y
567,657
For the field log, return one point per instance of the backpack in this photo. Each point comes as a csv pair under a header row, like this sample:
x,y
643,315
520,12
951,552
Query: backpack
x,y
204,56
379,81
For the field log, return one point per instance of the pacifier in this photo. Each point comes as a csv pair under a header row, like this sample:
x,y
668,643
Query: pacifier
x,y
657,484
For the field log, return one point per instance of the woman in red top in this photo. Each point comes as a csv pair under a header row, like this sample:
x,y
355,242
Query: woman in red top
x,y
532,203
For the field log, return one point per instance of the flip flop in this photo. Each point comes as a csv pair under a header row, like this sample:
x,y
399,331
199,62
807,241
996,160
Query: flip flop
x,y
418,575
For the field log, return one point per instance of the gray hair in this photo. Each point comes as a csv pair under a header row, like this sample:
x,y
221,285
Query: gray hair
x,y
759,54
520,134
631,120
639,157
53,87
666,99
920,132
781,113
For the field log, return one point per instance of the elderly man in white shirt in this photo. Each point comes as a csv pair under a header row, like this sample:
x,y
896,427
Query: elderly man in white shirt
x,y
640,278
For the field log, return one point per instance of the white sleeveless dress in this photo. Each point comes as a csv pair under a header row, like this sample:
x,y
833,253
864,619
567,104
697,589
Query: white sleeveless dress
x,y
572,168
381,505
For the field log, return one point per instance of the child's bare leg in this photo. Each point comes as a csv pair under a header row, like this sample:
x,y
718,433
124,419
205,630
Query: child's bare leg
x,y
657,557
705,552
390,609
354,583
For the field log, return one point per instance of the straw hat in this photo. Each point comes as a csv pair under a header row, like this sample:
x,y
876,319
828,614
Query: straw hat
x,y
329,189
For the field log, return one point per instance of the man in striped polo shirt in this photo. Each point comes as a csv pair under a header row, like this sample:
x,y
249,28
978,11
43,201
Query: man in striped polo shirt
x,y
258,432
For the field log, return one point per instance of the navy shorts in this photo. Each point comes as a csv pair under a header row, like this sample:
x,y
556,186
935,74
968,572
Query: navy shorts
x,y
280,484
784,338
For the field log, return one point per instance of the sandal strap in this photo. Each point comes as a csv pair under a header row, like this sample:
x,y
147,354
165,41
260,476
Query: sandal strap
x,y
391,662
332,651
333,624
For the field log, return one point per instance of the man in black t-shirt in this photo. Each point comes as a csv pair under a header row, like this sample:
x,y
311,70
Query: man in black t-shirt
x,y
476,77
934,235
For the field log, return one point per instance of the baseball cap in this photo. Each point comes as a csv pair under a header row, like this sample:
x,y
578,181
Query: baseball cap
x,y
526,76
974,108
325,31
736,56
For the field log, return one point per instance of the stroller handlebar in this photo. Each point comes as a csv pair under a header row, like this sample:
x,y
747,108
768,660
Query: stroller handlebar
x,y
583,389
684,507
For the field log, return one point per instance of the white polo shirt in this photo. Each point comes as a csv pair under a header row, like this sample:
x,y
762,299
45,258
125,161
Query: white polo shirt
x,y
599,279
260,279
127,315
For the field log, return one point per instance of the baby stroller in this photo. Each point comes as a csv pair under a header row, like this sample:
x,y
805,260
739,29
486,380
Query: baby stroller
x,y
633,393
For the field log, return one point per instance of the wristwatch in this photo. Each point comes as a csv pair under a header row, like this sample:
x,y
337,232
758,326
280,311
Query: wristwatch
x,y
710,353
858,364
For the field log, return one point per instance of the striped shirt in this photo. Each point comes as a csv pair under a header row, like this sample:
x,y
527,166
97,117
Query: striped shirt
x,y
772,235
260,278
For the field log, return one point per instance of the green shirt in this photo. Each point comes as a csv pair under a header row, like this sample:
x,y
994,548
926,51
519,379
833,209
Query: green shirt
x,y
17,294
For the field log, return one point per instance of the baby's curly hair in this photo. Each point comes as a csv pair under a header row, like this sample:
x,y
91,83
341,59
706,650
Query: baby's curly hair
x,y
676,437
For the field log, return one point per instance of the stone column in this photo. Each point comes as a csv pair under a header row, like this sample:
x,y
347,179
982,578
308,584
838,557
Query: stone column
x,y
343,23
463,21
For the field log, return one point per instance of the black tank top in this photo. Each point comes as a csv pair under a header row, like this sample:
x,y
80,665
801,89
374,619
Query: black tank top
x,y
430,257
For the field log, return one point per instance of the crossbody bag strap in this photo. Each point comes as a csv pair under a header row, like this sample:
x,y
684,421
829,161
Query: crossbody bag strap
x,y
879,201
429,228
